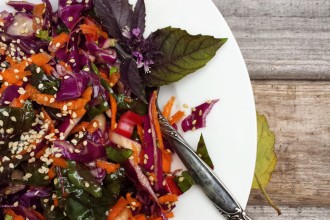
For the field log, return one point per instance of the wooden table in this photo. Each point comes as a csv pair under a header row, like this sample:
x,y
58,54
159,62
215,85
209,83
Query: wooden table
x,y
286,45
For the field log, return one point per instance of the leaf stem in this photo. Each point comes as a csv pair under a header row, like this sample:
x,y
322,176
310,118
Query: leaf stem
x,y
270,202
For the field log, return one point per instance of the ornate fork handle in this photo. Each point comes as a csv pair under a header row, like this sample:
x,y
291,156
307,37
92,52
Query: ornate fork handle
x,y
203,175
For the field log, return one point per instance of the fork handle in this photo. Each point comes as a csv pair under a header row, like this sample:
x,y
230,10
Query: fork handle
x,y
202,174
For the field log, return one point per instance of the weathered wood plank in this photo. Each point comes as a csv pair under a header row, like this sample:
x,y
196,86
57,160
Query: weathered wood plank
x,y
282,39
299,114
301,213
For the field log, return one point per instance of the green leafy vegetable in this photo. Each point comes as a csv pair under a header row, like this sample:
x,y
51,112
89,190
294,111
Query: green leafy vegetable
x,y
52,214
203,153
182,54
43,35
80,176
76,210
23,120
266,159
184,181
8,217
45,84
118,155
37,178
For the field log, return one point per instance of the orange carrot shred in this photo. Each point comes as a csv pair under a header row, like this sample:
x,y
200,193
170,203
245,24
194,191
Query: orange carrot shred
x,y
140,217
19,217
168,107
113,104
117,208
140,133
10,212
51,173
114,77
59,162
40,59
80,127
166,161
169,215
40,152
55,202
48,119
168,198
107,166
176,117
133,201
47,69
155,121
92,126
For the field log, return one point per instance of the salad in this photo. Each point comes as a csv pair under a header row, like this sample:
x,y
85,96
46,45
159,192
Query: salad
x,y
79,131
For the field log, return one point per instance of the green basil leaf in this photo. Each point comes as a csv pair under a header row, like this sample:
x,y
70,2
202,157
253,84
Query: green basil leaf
x,y
182,54
184,181
37,178
203,153
76,210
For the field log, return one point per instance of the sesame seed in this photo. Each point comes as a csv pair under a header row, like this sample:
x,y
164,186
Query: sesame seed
x,y
57,45
194,122
1,123
24,24
3,38
133,203
193,109
70,18
181,179
2,142
65,108
52,208
1,78
19,157
55,181
85,143
200,113
86,69
28,175
66,77
2,24
34,206
46,200
145,161
52,100
9,130
151,178
149,130
77,151
40,86
72,60
95,124
58,155
11,165
185,106
5,158
32,52
86,184
74,115
38,69
6,83
16,204
1,169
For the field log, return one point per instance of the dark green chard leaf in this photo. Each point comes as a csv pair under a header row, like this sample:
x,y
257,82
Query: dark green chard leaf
x,y
97,110
182,54
118,155
50,83
203,153
135,105
37,178
24,119
184,181
80,176
52,214
77,211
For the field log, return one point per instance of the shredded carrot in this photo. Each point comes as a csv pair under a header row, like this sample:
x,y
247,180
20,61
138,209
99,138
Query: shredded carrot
x,y
133,201
11,61
169,215
59,42
44,99
48,119
114,77
107,166
140,133
140,217
168,198
93,31
113,104
19,217
40,152
66,66
55,202
9,211
168,107
136,154
104,76
19,102
47,69
38,11
176,117
38,214
59,162
166,161
155,121
92,126
40,59
117,208
82,126
51,173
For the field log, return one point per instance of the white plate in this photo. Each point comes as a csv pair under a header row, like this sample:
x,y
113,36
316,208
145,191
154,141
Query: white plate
x,y
231,126
230,134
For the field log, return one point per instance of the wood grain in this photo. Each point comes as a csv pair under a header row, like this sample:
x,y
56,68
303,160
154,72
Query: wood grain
x,y
301,213
283,39
299,114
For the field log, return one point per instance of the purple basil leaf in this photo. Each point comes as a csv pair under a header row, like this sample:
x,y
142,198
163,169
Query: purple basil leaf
x,y
131,78
115,16
139,16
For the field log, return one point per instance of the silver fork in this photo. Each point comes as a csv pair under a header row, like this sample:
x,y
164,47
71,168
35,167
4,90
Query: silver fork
x,y
201,173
